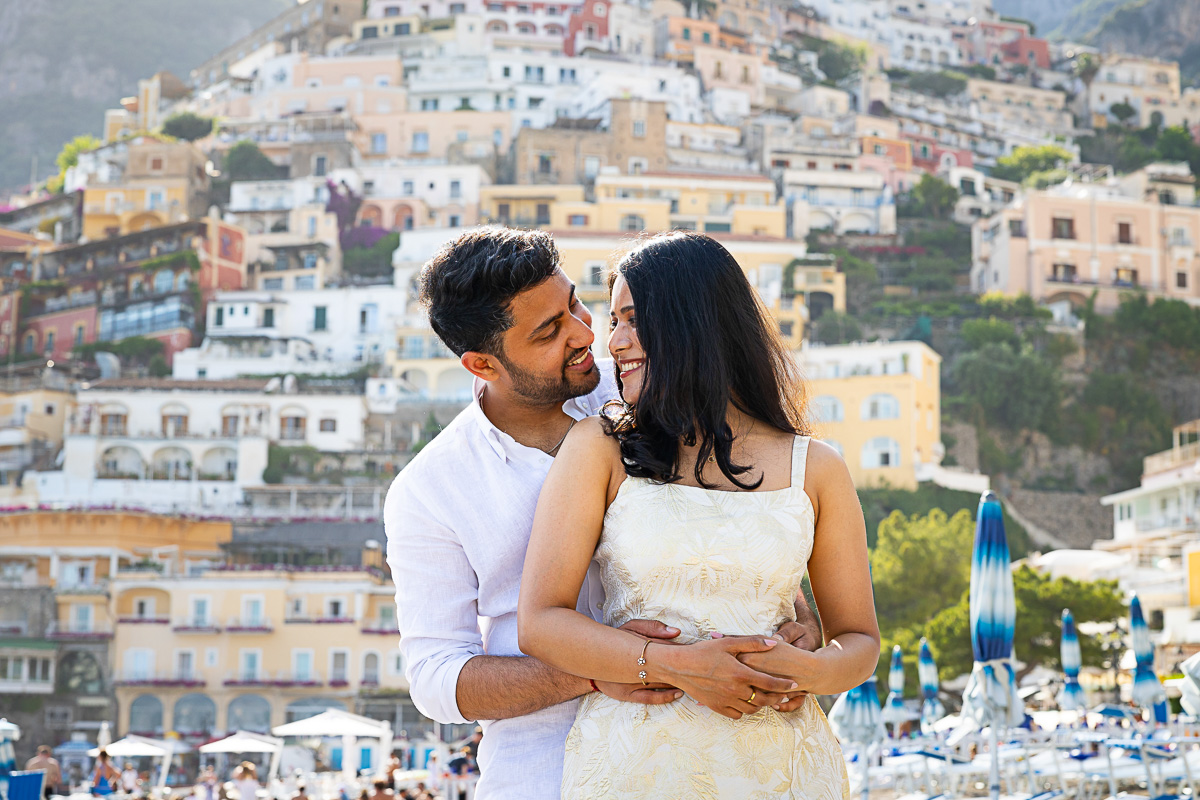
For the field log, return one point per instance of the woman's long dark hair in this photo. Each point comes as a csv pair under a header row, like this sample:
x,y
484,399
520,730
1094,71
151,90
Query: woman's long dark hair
x,y
708,342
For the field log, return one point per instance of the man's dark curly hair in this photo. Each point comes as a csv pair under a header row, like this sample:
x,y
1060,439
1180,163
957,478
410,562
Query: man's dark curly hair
x,y
468,286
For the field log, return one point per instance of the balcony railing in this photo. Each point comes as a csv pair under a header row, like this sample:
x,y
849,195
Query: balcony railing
x,y
75,629
1177,523
280,678
149,678
249,625
195,625
1175,457
304,620
134,620
380,626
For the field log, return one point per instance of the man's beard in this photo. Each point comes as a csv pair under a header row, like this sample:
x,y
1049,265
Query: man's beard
x,y
546,390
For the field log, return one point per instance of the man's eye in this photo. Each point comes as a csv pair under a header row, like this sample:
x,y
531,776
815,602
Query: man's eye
x,y
612,324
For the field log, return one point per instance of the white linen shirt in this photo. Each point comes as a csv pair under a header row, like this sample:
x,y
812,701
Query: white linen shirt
x,y
458,520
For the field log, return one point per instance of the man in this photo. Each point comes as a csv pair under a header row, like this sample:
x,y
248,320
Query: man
x,y
458,517
44,760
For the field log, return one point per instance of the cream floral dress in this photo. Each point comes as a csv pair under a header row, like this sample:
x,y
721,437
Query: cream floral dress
x,y
703,560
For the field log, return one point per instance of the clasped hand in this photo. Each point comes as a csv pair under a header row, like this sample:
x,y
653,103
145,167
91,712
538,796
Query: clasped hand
x,y
719,681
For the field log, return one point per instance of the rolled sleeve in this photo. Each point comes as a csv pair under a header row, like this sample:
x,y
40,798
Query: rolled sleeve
x,y
437,607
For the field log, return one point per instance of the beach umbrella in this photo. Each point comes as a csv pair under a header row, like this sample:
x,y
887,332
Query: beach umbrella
x,y
1071,696
9,733
1189,685
931,709
1147,689
990,698
856,718
894,711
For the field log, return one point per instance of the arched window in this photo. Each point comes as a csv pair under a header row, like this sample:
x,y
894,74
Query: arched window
x,y
181,281
249,712
881,452
829,408
370,673
881,406
633,223
79,673
146,716
195,715
526,28
164,279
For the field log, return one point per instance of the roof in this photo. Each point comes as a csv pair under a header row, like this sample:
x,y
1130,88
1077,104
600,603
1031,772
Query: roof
x,y
735,176
167,384
634,237
17,239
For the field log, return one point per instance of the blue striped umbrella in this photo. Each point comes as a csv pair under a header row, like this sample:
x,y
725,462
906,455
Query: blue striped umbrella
x,y
894,711
932,709
856,718
1147,690
1071,696
9,733
990,698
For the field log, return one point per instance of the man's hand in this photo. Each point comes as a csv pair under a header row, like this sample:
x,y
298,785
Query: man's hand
x,y
656,693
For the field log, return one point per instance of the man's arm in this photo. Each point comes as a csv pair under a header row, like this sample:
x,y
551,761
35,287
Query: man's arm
x,y
500,687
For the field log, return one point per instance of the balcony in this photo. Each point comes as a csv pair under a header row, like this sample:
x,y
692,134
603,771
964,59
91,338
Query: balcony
x,y
78,630
143,620
195,625
282,678
14,628
190,678
97,587
249,625
1181,456
1174,523
380,626
319,621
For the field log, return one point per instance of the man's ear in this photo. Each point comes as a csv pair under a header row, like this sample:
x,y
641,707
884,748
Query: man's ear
x,y
481,365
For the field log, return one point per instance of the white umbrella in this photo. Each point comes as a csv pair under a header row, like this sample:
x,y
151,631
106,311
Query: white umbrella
x,y
249,742
332,723
132,747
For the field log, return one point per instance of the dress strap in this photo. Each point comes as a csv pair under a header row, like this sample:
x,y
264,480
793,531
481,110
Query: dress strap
x,y
799,460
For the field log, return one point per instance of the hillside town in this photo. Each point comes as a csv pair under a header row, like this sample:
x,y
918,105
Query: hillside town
x,y
214,360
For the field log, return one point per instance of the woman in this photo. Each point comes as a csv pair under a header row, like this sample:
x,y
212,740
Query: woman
x,y
704,501
104,775
245,780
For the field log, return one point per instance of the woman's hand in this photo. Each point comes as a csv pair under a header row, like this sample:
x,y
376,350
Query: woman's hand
x,y
712,674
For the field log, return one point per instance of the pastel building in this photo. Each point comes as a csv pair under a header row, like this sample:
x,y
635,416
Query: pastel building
x,y
32,418
1069,241
879,405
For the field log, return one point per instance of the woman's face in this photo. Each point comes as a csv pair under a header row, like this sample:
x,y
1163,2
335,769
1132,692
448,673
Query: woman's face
x,y
623,343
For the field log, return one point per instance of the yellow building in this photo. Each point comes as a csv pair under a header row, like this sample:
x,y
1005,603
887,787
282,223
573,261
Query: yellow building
x,y
31,429
879,405
251,647
524,206
139,183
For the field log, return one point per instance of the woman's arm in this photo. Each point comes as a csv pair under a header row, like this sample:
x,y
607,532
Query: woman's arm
x,y
566,529
840,575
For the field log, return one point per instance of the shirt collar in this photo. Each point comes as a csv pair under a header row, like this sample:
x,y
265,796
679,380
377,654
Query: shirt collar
x,y
507,447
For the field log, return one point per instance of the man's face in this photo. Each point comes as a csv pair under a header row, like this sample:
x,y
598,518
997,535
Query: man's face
x,y
547,358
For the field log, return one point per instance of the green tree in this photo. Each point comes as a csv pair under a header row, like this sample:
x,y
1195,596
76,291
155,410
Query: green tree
x,y
939,84
158,367
978,333
246,162
838,61
1122,111
1024,161
375,260
933,198
69,157
914,555
1011,390
188,126
835,327
1086,68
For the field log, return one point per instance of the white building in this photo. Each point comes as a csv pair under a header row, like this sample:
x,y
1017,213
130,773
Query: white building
x,y
839,201
324,331
189,446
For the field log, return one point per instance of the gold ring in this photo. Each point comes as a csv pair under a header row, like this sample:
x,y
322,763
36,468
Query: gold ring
x,y
753,693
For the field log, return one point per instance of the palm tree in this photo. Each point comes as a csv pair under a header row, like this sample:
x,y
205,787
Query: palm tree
x,y
1086,67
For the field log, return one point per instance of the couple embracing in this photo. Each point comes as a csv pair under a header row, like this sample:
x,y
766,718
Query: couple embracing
x,y
604,559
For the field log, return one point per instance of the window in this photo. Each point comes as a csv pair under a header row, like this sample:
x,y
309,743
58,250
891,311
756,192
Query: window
x,y
577,220
407,189
881,452
543,214
338,660
229,425
1124,233
1064,273
319,318
455,189
199,618
378,143
454,220
112,424
272,283
50,342
420,143
174,424
639,128
881,406
391,11
329,426
302,665
291,428
687,34
632,222
268,320
155,199
1181,280
429,104
249,662
370,32
829,409
310,260
1062,228
334,609
503,212
706,37
79,333
143,608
